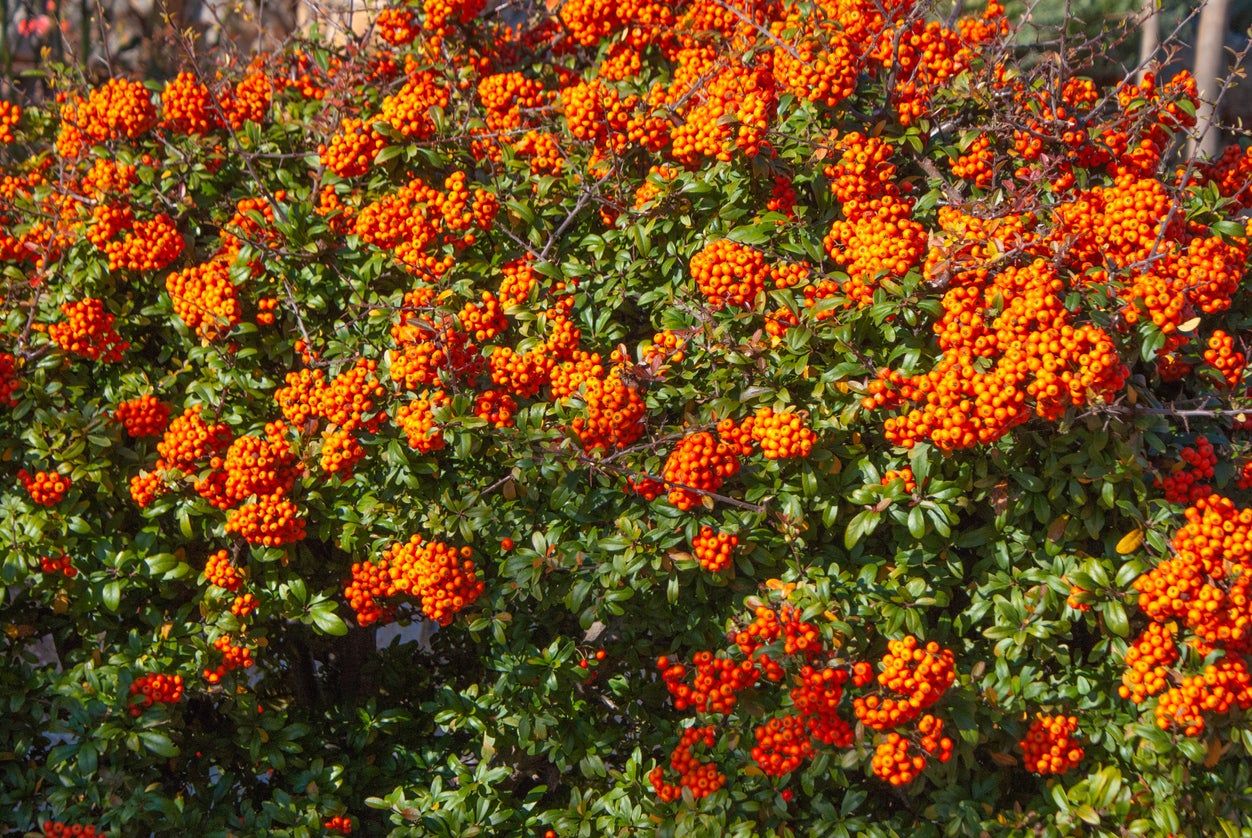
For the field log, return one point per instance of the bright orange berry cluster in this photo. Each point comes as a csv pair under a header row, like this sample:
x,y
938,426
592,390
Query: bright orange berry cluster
x,y
1050,745
143,416
407,110
667,347
994,365
340,452
728,273
260,465
45,488
10,116
269,521
233,657
920,675
417,420
542,151
443,578
118,109
780,435
243,605
1220,688
698,777
189,442
975,163
1222,354
901,757
187,106
351,151
614,414
265,308
150,245
698,464
768,624
145,487
87,330
904,476
204,297
1148,660
219,570
409,221
397,26
1205,589
716,685
714,549
496,408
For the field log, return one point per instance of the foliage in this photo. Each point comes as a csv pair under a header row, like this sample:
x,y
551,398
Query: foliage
x,y
786,414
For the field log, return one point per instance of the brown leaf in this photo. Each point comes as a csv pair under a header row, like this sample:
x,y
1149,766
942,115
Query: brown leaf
x,y
1000,497
1216,751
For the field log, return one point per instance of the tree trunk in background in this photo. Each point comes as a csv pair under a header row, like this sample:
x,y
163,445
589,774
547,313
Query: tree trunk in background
x,y
1210,58
1149,35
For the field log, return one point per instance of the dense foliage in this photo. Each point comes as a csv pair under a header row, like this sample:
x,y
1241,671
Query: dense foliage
x,y
794,418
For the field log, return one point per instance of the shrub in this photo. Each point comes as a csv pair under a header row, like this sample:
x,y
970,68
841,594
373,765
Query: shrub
x,y
784,413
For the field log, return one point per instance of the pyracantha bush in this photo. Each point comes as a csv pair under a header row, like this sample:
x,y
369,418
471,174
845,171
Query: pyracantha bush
x,y
709,418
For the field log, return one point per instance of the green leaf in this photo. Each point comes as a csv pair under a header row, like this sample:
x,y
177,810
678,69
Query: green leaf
x,y
112,594
861,525
1115,619
158,743
326,620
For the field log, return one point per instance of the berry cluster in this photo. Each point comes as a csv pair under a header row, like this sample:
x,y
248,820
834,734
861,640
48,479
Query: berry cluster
x,y
778,646
187,106
269,521
143,416
87,330
1224,357
204,297
699,464
339,824
1050,746
63,565
902,476
714,549
780,435
155,688
716,685
443,578
699,777
219,570
46,488
728,273
1203,590
57,829
1187,485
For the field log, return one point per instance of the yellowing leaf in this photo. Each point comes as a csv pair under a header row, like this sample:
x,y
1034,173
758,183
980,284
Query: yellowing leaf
x,y
1190,325
1130,542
